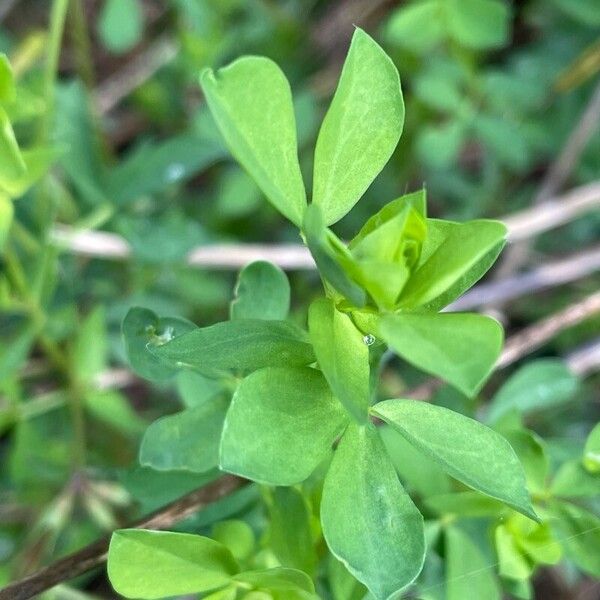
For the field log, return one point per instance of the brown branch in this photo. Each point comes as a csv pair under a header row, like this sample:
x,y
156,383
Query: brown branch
x,y
521,225
534,336
94,555
586,359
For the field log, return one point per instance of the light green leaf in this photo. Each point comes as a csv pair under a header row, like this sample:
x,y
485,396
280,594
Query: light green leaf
x,y
468,572
332,257
195,389
369,521
460,348
188,440
465,504
572,480
262,292
12,165
155,564
591,452
143,329
114,409
237,535
512,563
278,577
466,449
342,355
251,102
290,531
418,27
6,218
361,128
7,80
241,345
540,384
478,24
120,24
449,253
281,424
90,350
578,530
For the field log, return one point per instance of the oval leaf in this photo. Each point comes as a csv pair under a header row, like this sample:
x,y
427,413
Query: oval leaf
x,y
466,449
361,128
188,440
460,348
262,292
251,102
241,345
155,564
369,521
281,424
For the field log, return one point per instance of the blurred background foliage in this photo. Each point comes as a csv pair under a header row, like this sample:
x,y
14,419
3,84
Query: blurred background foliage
x,y
111,134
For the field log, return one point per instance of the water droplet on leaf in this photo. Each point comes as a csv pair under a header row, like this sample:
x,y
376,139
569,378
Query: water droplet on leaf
x,y
175,171
369,339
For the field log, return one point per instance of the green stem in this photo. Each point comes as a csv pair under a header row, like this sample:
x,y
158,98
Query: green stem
x,y
81,42
58,15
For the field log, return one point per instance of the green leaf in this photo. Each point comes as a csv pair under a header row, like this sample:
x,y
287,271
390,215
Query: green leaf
x,y
195,389
7,80
464,504
479,24
113,408
512,563
369,521
466,449
241,345
281,424
12,165
90,351
460,348
342,355
449,253
539,385
290,531
237,535
332,257
262,292
468,572
143,329
418,27
120,24
572,480
155,564
6,218
578,530
361,128
278,582
251,102
591,452
188,440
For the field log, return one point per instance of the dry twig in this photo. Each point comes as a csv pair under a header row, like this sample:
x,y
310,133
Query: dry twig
x,y
95,554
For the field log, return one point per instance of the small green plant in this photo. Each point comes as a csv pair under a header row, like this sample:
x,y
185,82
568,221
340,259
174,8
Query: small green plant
x,y
282,406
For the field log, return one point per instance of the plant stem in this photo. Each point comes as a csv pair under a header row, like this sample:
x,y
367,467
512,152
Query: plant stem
x,y
58,15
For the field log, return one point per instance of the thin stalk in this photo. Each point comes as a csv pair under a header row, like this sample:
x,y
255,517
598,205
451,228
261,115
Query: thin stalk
x,y
58,15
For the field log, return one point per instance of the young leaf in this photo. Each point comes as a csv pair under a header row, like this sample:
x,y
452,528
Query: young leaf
x,y
418,27
12,165
251,102
90,349
591,452
188,440
121,24
331,256
262,292
342,355
468,574
6,217
466,449
281,424
7,80
449,253
460,348
241,345
361,128
281,583
237,535
369,521
155,564
143,329
538,385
